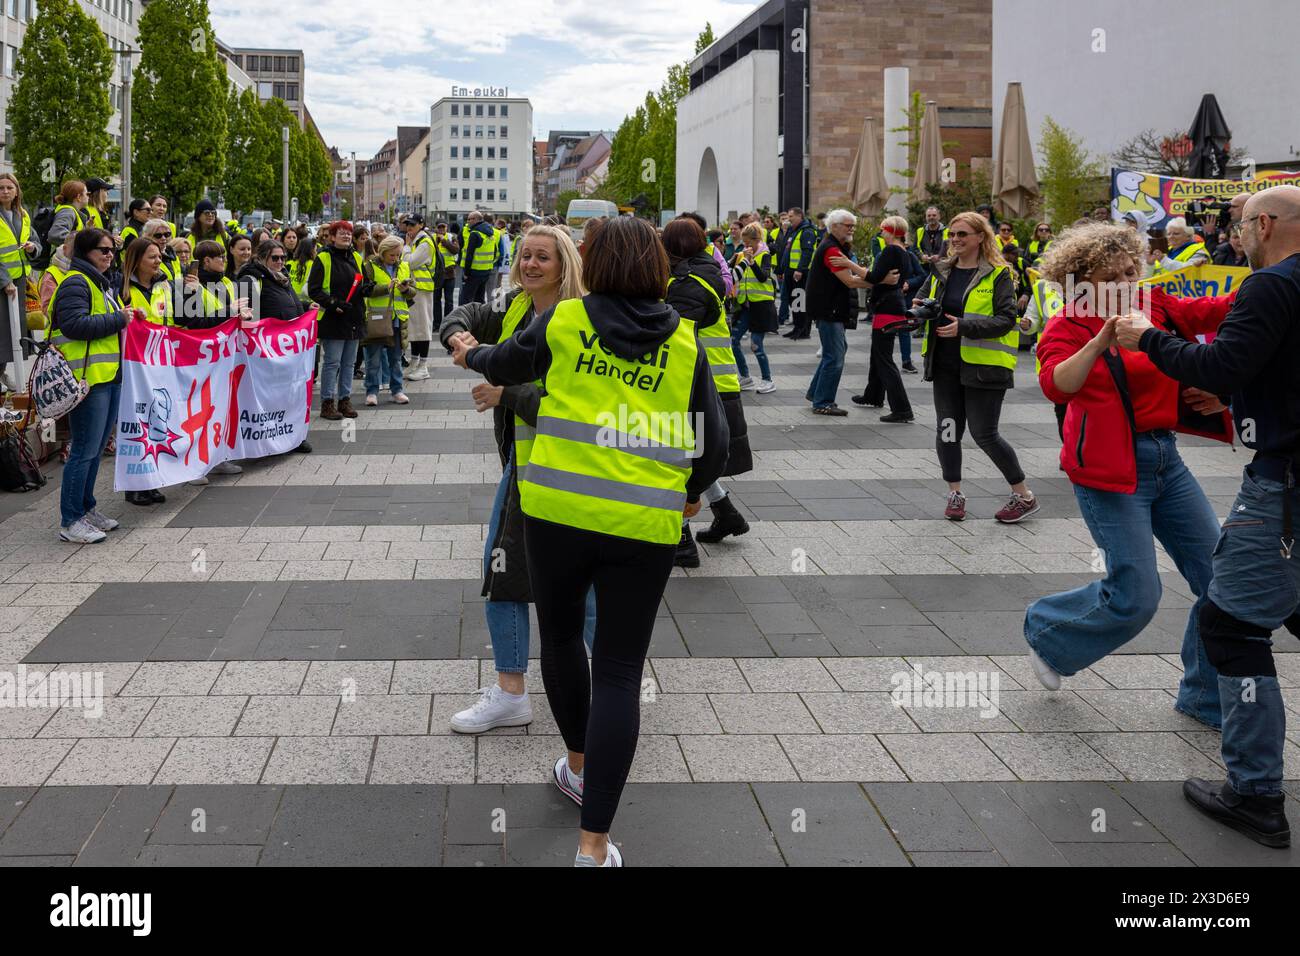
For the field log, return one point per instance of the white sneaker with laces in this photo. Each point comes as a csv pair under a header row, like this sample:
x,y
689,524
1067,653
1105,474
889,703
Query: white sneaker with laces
x,y
570,783
494,708
746,383
401,399
81,531
201,480
372,400
612,857
226,468
100,521
765,386
1046,676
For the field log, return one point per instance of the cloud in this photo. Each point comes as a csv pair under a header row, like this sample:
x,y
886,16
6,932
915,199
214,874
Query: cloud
x,y
374,66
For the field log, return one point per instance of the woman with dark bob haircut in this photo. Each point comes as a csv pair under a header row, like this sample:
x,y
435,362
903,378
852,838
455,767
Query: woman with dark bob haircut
x,y
630,431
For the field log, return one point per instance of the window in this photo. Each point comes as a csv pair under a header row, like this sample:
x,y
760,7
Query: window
x,y
492,152
9,138
492,111
503,153
478,132
478,109
453,172
503,172
11,60
478,194
277,90
478,152
292,89
491,195
455,109
502,195
491,173
292,63
492,132
264,91
266,64
504,133
478,172
279,64
454,150
239,60
504,108
464,131
455,132
464,172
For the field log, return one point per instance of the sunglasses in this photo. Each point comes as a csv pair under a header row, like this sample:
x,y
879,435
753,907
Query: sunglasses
x,y
959,234
162,234
106,250
275,258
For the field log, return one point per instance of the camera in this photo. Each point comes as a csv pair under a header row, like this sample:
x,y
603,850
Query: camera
x,y
917,316
1197,209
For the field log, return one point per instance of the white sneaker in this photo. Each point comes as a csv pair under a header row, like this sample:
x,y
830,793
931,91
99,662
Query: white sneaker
x,y
746,383
82,531
765,386
401,399
819,352
612,857
494,708
226,468
570,783
1046,676
372,400
419,371
201,480
100,521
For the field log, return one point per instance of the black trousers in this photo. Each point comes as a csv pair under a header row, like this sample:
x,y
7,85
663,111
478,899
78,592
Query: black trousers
x,y
955,405
443,301
796,294
884,380
474,288
599,714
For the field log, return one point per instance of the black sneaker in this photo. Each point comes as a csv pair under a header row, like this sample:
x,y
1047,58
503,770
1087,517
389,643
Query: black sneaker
x,y
1262,818
909,368
862,400
897,418
831,410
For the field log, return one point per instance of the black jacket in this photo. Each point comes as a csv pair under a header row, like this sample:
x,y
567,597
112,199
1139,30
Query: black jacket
x,y
340,319
629,328
270,298
72,316
807,245
484,323
1003,320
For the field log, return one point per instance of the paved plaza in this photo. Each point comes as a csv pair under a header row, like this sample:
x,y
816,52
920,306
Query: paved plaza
x,y
282,651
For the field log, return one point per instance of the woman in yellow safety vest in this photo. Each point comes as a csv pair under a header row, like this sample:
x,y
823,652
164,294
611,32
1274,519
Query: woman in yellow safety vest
x,y
239,253
137,214
97,205
299,264
217,289
547,270
629,399
970,356
391,297
87,318
69,211
158,206
17,248
160,233
207,226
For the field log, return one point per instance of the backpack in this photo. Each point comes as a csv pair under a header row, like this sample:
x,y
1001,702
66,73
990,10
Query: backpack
x,y
18,470
53,387
41,224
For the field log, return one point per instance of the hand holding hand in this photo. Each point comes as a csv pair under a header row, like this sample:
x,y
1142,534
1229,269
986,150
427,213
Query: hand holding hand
x,y
1207,403
691,510
460,346
486,396
949,331
1129,329
891,278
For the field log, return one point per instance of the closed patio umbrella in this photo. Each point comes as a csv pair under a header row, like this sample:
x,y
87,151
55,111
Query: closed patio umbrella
x,y
929,157
1014,181
867,187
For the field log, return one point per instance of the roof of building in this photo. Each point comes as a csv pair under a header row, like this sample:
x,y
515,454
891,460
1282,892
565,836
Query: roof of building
x,y
408,138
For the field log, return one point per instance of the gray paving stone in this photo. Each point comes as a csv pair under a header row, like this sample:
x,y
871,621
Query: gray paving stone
x,y
1013,834
1123,854
301,760
204,856
204,760
858,713
824,757
827,825
926,817
678,714
371,714
30,762
1152,756
700,824
943,860
157,678
697,676
56,821
763,714
126,826
356,826
1049,756
113,761
192,717
1043,710
423,760
732,757
767,676
1082,813
278,715
1140,710
943,757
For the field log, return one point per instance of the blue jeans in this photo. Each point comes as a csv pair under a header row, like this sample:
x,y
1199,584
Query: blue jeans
x,y
826,380
1255,584
738,331
91,423
1074,629
905,346
383,362
507,621
338,358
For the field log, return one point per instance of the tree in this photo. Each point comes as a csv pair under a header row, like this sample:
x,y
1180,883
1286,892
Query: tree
x,y
1068,179
1149,152
60,108
250,174
951,198
564,198
179,102
310,173
643,156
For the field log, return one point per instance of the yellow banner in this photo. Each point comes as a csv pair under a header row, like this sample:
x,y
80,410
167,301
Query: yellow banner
x,y
1199,281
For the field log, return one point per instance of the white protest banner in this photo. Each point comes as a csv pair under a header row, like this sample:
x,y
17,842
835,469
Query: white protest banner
x,y
192,398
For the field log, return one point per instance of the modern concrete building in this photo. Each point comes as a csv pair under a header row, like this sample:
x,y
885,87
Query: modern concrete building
x,y
480,154
277,73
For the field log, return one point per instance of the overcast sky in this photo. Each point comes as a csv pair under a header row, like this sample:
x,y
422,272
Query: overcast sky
x,y
373,65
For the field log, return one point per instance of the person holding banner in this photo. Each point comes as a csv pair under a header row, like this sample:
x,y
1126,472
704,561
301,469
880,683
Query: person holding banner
x,y
160,232
17,247
1120,454
86,321
337,283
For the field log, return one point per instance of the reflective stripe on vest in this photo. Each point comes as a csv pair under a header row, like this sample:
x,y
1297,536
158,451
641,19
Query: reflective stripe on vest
x,y
796,249
486,254
385,297
157,307
426,279
920,234
12,255
524,433
750,289
324,259
1049,305
1185,255
612,433
715,339
978,304
96,361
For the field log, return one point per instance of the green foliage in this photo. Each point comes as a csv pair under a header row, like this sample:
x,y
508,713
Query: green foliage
x,y
59,109
643,157
563,199
179,103
251,149
952,198
309,167
1068,177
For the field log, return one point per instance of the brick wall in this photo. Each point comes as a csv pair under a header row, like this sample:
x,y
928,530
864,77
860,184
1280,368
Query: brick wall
x,y
945,44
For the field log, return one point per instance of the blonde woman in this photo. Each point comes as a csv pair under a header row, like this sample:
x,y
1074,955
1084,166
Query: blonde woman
x,y
548,270
970,356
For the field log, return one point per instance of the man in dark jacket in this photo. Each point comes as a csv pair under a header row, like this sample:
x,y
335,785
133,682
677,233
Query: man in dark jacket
x,y
474,288
792,267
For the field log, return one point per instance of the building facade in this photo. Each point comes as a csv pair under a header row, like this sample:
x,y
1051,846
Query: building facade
x,y
480,154
412,159
278,73
379,184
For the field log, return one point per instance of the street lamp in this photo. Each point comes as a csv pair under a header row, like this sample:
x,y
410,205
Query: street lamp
x,y
126,137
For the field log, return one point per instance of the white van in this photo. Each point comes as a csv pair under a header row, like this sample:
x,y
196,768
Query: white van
x,y
581,211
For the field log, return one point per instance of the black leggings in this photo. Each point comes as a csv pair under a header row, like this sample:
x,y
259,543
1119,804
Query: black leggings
x,y
420,349
599,714
884,381
956,404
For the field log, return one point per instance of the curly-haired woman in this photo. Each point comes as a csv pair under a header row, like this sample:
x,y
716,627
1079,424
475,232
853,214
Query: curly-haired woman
x,y
1120,454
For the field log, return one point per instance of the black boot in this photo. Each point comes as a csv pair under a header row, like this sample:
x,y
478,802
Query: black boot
x,y
726,520
139,498
688,556
1262,818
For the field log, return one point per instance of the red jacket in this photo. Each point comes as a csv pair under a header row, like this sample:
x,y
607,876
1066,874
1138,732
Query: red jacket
x,y
1099,449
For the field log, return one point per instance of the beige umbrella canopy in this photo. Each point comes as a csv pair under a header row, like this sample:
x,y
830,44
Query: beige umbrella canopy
x,y
1014,182
867,187
929,157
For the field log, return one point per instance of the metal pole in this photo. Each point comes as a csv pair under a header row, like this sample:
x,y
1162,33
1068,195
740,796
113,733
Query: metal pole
x,y
126,139
284,192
